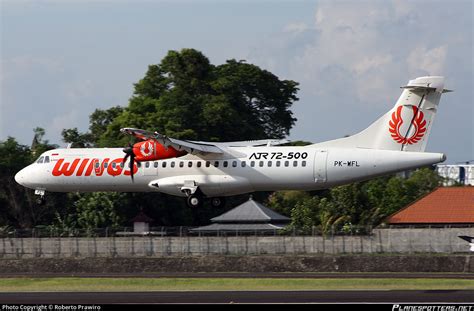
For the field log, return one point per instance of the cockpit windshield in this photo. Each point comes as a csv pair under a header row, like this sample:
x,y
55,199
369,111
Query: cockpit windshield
x,y
43,159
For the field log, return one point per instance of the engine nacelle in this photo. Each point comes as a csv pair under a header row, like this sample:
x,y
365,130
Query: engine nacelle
x,y
150,150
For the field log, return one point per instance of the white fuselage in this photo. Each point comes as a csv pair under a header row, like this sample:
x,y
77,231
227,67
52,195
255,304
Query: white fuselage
x,y
238,170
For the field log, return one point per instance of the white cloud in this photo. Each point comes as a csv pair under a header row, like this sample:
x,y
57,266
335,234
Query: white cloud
x,y
431,61
295,27
369,63
25,64
370,46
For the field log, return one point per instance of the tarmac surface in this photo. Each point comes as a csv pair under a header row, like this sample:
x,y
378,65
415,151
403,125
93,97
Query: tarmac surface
x,y
224,297
278,275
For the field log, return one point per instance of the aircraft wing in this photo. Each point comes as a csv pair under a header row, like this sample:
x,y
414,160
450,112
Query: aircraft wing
x,y
248,143
199,146
188,146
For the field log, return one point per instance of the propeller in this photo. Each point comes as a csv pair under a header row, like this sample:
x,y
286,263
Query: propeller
x,y
129,154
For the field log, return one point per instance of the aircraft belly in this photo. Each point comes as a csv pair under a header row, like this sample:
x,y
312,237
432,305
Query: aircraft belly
x,y
210,185
285,178
97,183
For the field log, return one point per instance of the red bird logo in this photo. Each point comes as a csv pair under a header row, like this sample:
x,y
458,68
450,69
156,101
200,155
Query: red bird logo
x,y
419,126
146,149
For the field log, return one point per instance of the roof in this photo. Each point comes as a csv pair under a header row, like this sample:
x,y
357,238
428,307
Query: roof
x,y
142,217
250,212
444,205
238,227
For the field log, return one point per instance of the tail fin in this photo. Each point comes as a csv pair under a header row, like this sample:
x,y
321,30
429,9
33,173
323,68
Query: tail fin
x,y
407,125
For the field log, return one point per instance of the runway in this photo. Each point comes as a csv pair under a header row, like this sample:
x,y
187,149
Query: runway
x,y
263,275
224,297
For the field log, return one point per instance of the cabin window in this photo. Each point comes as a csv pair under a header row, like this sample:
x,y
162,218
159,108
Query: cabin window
x,y
243,164
163,165
303,164
226,163
234,163
252,163
295,163
147,164
181,164
155,164
287,163
216,164
40,160
190,164
139,164
114,165
260,164
208,163
278,163
106,164
198,164
172,164
97,164
46,159
269,163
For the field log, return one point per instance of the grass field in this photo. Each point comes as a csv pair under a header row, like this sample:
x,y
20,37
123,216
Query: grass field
x,y
226,284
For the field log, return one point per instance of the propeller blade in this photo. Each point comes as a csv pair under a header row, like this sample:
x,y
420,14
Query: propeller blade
x,y
129,154
124,160
132,160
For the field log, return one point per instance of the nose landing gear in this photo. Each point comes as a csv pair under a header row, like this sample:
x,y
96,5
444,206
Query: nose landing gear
x,y
40,200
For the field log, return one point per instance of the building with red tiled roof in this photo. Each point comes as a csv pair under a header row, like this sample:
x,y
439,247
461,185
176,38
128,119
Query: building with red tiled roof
x,y
445,205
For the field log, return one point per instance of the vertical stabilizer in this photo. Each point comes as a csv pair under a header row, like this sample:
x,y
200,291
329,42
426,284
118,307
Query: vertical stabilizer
x,y
406,127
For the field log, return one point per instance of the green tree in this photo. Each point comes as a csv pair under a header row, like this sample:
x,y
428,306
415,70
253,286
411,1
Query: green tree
x,y
98,210
77,139
305,215
185,96
285,201
17,203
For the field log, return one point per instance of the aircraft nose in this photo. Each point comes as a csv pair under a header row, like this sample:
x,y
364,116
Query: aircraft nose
x,y
20,177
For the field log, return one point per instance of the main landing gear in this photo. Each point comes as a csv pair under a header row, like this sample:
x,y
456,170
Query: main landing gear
x,y
195,197
218,202
196,200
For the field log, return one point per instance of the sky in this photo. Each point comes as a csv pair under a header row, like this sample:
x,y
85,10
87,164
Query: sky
x,y
60,60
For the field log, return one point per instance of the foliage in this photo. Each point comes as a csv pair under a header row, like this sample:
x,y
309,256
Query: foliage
x,y
187,97
347,207
98,210
17,204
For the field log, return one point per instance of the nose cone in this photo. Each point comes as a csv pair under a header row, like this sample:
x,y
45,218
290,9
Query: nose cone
x,y
20,177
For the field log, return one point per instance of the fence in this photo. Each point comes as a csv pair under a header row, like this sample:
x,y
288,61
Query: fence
x,y
427,240
54,232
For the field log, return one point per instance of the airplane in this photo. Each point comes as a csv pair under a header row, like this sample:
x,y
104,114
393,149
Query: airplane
x,y
199,170
468,239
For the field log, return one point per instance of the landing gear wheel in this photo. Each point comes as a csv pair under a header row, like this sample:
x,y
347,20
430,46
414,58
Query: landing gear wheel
x,y
218,202
194,201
